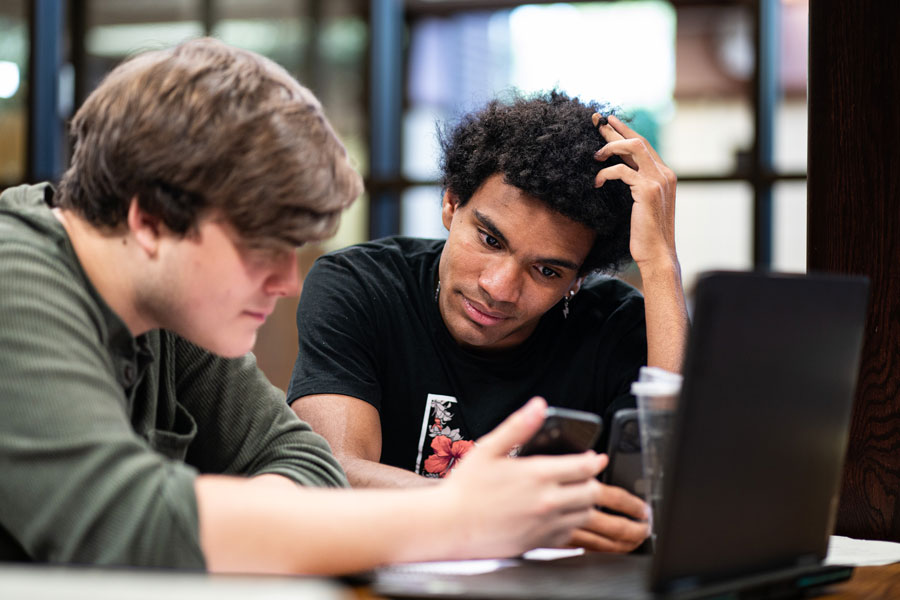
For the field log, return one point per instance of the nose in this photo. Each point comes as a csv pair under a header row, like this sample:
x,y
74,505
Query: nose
x,y
284,280
501,279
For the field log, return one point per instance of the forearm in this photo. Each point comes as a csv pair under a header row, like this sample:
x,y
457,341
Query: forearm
x,y
246,427
255,525
364,473
666,314
490,506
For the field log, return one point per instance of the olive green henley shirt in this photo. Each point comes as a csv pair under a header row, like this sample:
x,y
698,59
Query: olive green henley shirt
x,y
102,433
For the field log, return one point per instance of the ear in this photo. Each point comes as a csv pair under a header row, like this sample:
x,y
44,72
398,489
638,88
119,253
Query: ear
x,y
145,229
449,204
576,286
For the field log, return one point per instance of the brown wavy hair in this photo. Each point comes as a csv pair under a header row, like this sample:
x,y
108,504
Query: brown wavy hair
x,y
205,128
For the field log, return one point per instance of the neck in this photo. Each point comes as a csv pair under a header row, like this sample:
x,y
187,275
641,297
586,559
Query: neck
x,y
108,260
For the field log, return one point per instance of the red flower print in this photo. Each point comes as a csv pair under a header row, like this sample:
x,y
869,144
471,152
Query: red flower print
x,y
446,454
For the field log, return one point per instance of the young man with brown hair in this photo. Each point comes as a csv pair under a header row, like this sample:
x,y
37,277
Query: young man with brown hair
x,y
134,427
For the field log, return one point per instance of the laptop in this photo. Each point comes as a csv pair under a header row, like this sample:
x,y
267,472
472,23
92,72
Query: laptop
x,y
752,482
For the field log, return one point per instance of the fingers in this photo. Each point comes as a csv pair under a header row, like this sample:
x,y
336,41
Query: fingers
x,y
626,132
612,136
639,156
563,469
615,123
621,501
628,176
604,532
612,128
515,429
576,497
589,540
636,151
565,529
633,151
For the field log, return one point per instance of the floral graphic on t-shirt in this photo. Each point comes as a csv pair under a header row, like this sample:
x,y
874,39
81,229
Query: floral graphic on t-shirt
x,y
439,429
447,445
447,454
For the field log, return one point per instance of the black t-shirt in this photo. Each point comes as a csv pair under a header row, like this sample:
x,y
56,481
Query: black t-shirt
x,y
369,327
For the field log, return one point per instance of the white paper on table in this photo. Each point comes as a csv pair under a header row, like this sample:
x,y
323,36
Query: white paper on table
x,y
452,567
861,553
552,553
477,567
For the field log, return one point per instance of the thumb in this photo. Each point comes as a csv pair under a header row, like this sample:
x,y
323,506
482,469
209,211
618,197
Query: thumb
x,y
516,429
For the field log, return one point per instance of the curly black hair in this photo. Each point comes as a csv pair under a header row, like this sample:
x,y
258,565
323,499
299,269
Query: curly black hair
x,y
543,145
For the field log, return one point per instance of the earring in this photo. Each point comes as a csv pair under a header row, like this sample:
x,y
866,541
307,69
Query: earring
x,y
437,290
570,294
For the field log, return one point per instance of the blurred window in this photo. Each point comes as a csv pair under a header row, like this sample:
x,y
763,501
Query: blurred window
x,y
711,228
13,90
789,231
684,74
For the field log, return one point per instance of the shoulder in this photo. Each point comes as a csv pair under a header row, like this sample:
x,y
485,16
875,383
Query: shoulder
x,y
369,282
384,263
387,252
25,216
33,253
30,234
35,258
610,296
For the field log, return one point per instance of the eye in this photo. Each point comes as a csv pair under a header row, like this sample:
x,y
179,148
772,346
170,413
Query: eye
x,y
547,272
490,240
261,257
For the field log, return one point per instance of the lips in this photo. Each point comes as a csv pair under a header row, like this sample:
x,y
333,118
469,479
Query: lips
x,y
481,314
261,315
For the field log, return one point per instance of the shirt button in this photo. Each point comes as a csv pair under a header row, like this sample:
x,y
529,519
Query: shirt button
x,y
128,374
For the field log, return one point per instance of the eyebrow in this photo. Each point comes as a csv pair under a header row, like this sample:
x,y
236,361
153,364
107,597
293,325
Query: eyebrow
x,y
495,231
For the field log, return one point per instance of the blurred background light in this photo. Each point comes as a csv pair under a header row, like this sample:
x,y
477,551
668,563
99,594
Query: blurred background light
x,y
9,79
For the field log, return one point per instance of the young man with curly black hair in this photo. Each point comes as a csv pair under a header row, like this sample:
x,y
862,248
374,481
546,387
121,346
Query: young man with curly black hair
x,y
410,348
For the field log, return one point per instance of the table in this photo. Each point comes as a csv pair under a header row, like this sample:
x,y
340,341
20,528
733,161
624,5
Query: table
x,y
44,582
872,583
867,583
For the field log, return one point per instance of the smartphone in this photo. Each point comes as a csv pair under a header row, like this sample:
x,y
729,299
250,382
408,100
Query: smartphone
x,y
625,469
564,431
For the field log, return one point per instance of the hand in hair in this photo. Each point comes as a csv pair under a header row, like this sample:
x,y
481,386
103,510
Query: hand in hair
x,y
652,186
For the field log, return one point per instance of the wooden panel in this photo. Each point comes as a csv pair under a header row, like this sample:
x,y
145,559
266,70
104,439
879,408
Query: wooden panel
x,y
854,227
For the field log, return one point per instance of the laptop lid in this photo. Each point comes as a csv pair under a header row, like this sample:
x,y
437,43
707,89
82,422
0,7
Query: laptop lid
x,y
761,430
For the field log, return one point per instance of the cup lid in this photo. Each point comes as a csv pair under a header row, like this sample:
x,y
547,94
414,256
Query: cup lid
x,y
658,374
656,388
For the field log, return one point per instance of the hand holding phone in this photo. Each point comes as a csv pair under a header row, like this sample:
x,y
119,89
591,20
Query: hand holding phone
x,y
564,431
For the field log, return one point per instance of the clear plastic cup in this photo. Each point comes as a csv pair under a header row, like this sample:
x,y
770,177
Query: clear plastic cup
x,y
657,399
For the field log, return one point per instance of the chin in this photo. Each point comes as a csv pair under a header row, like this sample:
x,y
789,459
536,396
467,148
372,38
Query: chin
x,y
230,347
473,337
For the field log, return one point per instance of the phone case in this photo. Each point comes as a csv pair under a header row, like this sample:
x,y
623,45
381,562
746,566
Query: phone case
x,y
564,431
625,469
